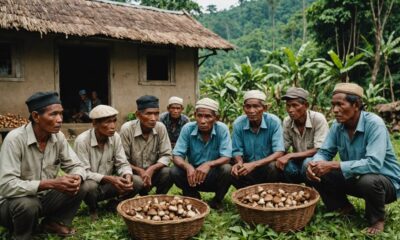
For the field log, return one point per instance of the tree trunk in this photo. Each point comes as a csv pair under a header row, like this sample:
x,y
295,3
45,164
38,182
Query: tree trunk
x,y
304,23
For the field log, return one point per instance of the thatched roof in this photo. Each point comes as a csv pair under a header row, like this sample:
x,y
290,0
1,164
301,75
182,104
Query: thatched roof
x,y
108,19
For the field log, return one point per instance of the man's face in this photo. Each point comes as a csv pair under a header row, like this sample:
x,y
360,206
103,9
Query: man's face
x,y
175,110
148,117
342,109
254,109
94,95
83,97
106,126
296,109
51,120
205,119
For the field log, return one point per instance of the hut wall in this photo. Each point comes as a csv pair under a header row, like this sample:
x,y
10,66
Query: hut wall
x,y
37,66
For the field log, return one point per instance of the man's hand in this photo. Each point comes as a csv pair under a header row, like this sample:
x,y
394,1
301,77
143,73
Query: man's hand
x,y
246,168
320,168
191,175
310,174
148,174
68,184
121,184
236,168
282,161
201,172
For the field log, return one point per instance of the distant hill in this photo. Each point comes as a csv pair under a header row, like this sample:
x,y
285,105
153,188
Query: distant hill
x,y
249,27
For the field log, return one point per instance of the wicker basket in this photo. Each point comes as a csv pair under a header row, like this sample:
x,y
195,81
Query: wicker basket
x,y
280,219
173,229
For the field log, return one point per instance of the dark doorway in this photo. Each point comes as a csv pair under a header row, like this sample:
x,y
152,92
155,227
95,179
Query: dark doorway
x,y
82,67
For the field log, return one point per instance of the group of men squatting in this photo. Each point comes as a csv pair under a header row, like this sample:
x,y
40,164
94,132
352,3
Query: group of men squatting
x,y
106,165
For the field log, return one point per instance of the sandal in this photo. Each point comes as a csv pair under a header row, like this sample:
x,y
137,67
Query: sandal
x,y
58,229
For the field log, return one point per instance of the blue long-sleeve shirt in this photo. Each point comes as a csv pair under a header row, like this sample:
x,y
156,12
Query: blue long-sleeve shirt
x,y
190,144
369,151
253,146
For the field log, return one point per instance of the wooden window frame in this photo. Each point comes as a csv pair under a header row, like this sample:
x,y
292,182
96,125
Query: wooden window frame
x,y
143,53
17,73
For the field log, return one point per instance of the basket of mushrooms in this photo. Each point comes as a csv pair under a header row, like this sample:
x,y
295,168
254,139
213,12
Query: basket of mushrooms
x,y
283,207
163,216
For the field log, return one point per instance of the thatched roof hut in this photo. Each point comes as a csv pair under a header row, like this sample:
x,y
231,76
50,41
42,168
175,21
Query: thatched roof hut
x,y
99,18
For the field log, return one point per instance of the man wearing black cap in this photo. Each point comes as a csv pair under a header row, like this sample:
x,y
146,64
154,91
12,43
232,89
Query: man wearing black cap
x,y
303,130
148,148
30,159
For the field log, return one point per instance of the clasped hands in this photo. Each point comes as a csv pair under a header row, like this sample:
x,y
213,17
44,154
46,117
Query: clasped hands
x,y
197,176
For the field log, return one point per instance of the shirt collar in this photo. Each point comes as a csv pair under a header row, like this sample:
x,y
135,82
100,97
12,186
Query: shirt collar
x,y
308,121
360,125
93,139
195,130
263,122
138,129
32,138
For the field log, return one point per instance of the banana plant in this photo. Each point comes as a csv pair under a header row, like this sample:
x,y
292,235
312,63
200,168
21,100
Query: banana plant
x,y
372,96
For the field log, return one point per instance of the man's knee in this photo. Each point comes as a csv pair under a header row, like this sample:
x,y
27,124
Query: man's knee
x,y
89,186
29,207
176,172
370,185
165,173
225,169
138,183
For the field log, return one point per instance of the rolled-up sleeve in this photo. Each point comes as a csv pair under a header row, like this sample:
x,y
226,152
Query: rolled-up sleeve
x,y
165,152
11,184
374,156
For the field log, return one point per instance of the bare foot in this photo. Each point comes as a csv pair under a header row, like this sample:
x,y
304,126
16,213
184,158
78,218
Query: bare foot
x,y
375,228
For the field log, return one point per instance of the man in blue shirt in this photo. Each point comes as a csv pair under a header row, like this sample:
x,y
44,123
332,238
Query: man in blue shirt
x,y
368,168
257,143
206,144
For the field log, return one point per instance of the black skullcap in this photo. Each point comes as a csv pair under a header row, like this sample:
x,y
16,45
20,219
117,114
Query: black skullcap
x,y
147,101
42,99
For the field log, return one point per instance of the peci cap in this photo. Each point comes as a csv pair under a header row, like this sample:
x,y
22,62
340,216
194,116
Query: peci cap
x,y
42,99
147,101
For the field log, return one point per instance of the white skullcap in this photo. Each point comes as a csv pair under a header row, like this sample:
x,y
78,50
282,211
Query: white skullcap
x,y
102,111
175,100
257,94
207,103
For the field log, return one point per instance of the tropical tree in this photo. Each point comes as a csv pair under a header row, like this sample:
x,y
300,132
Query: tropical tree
x,y
187,5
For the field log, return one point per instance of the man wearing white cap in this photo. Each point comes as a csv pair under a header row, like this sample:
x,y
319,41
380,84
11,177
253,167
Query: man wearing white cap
x,y
303,130
257,142
101,152
206,144
174,119
368,168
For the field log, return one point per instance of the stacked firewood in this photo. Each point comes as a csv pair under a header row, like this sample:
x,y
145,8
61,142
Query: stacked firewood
x,y
10,120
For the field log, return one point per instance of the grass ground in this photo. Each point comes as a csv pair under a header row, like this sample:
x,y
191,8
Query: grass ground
x,y
227,225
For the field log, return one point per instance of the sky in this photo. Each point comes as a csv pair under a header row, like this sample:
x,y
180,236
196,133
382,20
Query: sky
x,y
221,4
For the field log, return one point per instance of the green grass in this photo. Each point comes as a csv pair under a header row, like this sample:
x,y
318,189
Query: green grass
x,y
227,225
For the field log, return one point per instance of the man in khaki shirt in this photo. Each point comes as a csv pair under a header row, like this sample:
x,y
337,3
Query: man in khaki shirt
x,y
148,148
303,130
101,152
30,159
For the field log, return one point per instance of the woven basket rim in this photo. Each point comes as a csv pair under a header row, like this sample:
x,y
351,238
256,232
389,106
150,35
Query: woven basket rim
x,y
310,203
165,222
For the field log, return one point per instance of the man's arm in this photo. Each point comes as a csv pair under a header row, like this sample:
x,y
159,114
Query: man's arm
x,y
121,164
82,152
